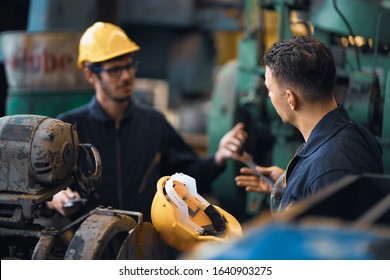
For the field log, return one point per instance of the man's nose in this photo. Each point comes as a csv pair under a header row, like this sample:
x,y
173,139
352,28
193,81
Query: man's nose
x,y
128,73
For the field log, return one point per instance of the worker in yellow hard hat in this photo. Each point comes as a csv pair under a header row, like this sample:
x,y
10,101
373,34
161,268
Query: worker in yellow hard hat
x,y
136,143
104,41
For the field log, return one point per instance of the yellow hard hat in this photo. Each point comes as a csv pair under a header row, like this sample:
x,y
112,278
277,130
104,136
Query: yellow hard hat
x,y
183,218
103,41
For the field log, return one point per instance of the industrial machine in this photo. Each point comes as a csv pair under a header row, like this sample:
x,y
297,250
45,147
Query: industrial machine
x,y
176,39
40,156
356,34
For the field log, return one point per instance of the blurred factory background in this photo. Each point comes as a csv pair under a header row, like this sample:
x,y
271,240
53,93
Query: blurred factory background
x,y
182,42
201,64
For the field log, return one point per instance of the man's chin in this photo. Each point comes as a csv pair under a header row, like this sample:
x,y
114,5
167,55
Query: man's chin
x,y
121,99
123,93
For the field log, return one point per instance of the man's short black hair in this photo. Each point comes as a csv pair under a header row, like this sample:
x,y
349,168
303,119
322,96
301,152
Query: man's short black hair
x,y
305,63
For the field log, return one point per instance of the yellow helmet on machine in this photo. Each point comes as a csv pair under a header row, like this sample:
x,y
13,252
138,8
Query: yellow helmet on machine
x,y
103,41
183,218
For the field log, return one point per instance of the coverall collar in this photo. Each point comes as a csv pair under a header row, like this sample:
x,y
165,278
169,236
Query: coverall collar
x,y
99,114
328,126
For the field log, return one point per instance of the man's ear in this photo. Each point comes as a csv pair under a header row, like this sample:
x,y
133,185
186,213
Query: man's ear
x,y
89,75
292,99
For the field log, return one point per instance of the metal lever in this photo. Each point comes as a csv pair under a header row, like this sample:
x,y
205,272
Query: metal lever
x,y
246,159
89,155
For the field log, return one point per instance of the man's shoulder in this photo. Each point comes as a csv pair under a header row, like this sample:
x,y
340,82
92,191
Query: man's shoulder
x,y
355,147
146,110
358,133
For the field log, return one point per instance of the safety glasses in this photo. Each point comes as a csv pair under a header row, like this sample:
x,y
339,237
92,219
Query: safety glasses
x,y
116,71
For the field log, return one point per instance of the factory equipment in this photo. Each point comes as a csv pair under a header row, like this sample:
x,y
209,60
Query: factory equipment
x,y
41,69
40,156
356,34
175,36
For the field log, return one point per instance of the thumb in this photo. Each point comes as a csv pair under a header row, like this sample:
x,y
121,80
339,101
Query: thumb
x,y
265,170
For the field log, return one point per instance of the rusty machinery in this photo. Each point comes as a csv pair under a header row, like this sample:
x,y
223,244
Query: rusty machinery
x,y
40,156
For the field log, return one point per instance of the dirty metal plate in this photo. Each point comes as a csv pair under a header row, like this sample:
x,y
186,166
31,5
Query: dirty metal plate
x,y
142,243
19,133
100,237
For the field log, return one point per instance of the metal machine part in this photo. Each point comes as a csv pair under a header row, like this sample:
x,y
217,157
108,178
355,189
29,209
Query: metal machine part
x,y
101,234
40,156
142,243
36,153
109,234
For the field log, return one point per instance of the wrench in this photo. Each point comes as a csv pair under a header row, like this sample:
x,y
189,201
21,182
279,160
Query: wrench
x,y
247,159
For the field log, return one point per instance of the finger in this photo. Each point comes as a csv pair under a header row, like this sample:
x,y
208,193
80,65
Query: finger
x,y
265,170
246,170
64,200
70,210
69,193
247,178
234,141
243,181
259,188
249,185
242,135
238,126
232,147
72,194
77,195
